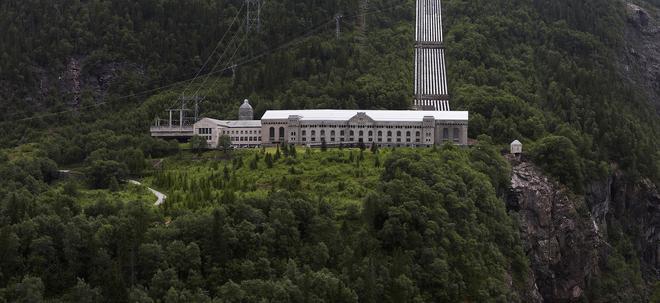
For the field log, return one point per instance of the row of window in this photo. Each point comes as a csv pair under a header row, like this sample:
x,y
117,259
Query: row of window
x,y
363,126
204,131
242,132
380,140
243,139
361,133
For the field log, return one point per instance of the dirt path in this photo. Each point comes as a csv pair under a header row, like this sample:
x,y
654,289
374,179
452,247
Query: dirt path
x,y
161,196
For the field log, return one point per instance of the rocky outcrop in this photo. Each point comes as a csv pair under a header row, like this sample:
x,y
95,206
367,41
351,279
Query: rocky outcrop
x,y
636,205
560,237
641,58
84,77
565,235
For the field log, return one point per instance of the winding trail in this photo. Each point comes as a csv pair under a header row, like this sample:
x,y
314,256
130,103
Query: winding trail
x,y
161,196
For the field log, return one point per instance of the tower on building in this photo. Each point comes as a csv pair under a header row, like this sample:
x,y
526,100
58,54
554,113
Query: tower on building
x,y
245,112
431,91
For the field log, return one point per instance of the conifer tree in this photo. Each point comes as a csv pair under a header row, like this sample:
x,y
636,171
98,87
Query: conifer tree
x,y
269,160
226,174
278,155
292,151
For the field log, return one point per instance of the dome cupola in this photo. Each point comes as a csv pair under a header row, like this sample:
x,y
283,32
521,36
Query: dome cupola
x,y
245,112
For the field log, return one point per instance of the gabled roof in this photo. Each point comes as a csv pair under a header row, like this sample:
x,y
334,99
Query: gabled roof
x,y
376,115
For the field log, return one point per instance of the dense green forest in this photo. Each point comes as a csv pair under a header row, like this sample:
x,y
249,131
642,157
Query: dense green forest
x,y
402,225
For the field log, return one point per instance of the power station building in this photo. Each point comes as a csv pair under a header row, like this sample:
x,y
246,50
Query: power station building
x,y
402,128
431,122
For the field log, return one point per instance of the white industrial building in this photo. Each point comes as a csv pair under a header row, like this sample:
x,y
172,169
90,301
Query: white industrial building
x,y
402,128
407,128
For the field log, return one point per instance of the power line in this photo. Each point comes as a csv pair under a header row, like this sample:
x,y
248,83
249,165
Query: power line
x,y
242,62
201,69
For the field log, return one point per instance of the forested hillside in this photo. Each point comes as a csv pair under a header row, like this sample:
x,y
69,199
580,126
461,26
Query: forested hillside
x,y
81,81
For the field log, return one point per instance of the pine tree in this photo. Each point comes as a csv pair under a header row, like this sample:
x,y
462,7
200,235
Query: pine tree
x,y
292,151
226,174
278,155
254,164
269,160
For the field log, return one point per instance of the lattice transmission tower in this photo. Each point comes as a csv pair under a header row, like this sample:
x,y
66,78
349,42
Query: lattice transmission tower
x,y
362,21
253,15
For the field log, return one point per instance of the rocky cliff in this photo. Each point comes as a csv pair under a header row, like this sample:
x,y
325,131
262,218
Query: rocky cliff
x,y
636,207
561,238
566,236
640,61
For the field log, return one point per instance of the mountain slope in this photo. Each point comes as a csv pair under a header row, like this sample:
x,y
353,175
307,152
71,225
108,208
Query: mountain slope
x,y
545,72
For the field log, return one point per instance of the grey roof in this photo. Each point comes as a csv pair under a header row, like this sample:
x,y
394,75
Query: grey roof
x,y
516,143
376,115
235,123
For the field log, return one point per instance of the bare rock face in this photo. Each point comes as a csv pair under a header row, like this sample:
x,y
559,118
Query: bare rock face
x,y
640,62
560,237
637,206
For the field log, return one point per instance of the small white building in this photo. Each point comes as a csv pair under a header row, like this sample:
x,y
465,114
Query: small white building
x,y
243,133
516,147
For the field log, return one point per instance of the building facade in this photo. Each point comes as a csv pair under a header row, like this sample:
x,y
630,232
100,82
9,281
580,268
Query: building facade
x,y
242,133
352,127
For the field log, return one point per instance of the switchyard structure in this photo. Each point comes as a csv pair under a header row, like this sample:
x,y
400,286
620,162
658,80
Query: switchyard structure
x,y
179,124
430,83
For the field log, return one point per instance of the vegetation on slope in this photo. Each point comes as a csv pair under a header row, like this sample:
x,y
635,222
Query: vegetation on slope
x,y
540,71
419,226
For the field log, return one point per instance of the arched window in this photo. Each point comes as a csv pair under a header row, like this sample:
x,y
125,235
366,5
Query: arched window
x,y
380,133
361,133
352,133
332,133
313,133
408,134
281,132
418,134
398,133
389,133
322,132
272,132
371,133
